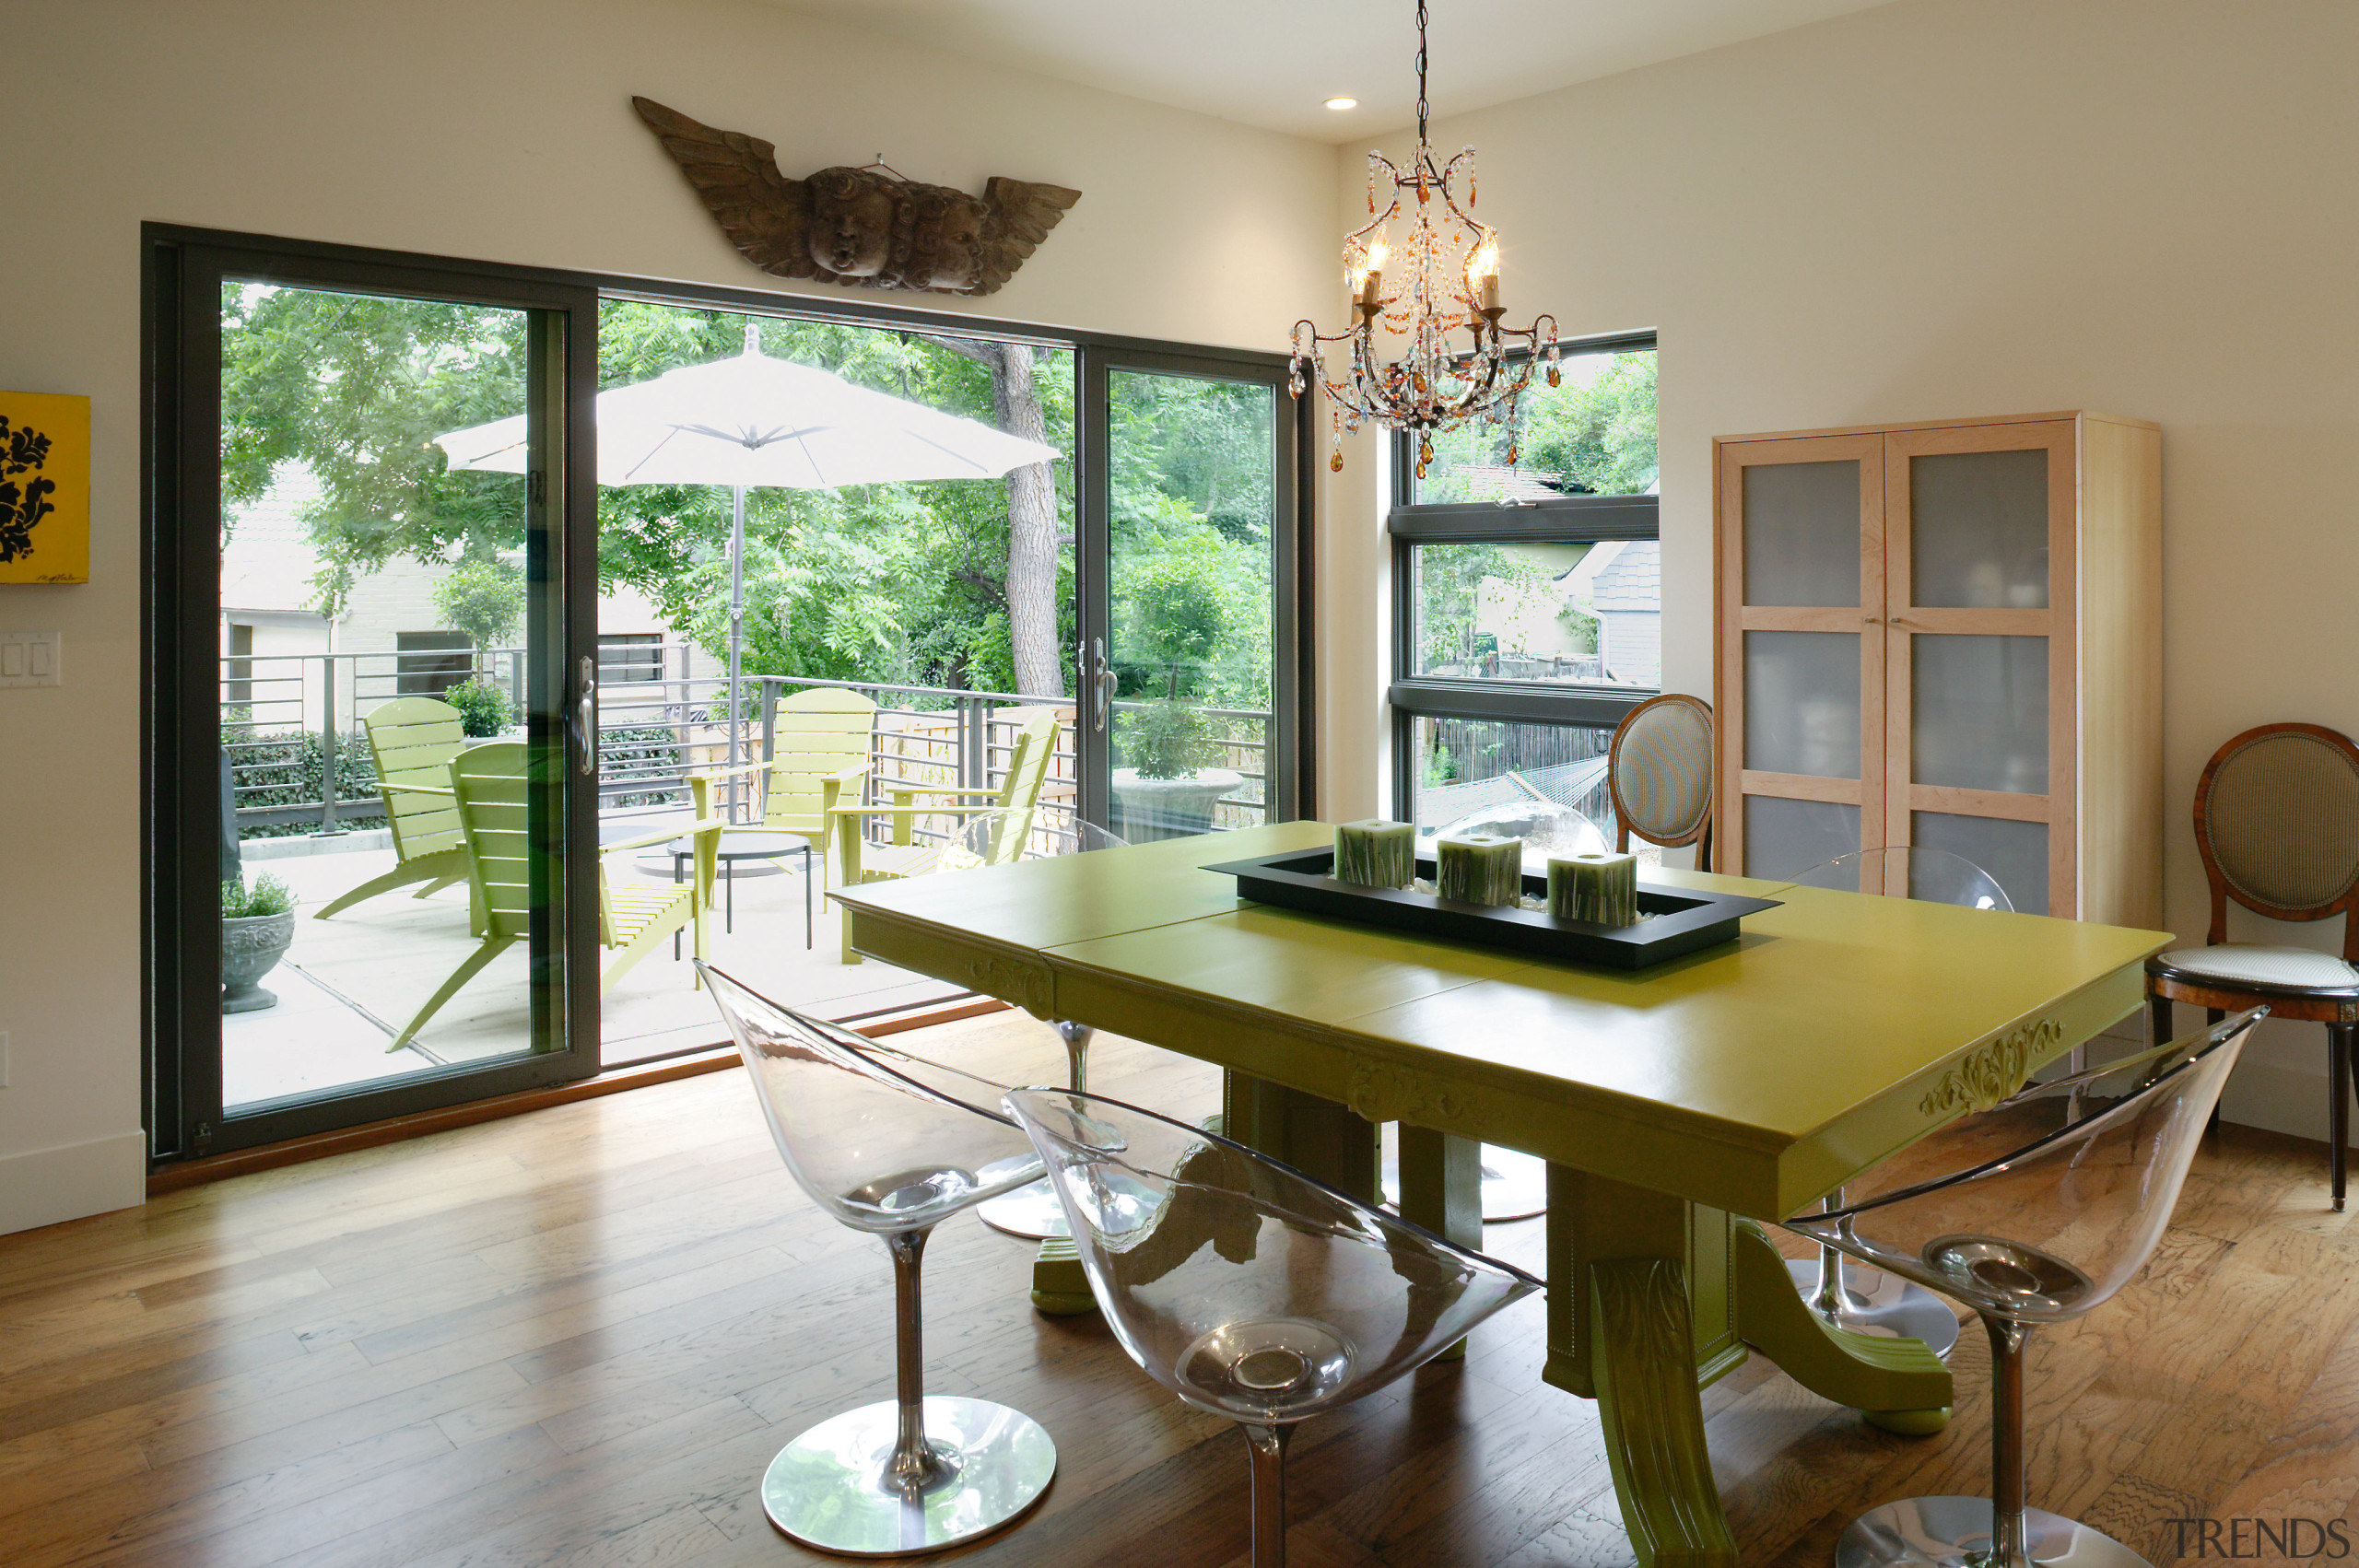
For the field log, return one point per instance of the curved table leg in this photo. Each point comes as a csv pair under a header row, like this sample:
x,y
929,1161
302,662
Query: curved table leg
x,y
1899,1384
1642,1357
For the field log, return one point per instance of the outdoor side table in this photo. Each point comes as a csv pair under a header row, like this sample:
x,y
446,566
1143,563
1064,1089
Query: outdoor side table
x,y
740,844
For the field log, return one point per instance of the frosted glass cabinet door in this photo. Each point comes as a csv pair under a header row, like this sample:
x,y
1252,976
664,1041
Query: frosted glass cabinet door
x,y
1801,702
2014,853
1978,530
1784,836
1978,712
1802,533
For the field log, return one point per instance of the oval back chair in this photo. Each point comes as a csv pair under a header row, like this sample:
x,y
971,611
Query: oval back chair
x,y
2277,824
1658,771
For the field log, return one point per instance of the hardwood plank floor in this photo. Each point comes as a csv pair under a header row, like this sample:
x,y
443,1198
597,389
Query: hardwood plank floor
x,y
576,1338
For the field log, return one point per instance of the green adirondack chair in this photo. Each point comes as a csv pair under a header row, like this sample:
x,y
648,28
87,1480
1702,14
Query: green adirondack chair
x,y
1015,801
488,792
412,740
821,743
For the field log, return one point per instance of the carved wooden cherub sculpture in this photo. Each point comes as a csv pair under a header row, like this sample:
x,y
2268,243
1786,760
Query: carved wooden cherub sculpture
x,y
857,226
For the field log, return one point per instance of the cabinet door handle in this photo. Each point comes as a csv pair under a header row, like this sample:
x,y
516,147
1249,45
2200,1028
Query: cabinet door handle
x,y
1870,620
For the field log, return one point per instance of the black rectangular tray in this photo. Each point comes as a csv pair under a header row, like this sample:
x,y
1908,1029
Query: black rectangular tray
x,y
1684,919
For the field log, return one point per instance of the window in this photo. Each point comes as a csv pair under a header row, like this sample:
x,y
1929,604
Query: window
x,y
431,663
630,656
1528,599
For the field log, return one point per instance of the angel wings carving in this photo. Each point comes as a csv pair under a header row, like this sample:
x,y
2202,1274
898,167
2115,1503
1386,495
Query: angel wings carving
x,y
857,226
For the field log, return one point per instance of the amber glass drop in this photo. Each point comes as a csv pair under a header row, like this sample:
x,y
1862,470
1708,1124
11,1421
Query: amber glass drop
x,y
1510,457
1336,463
1555,379
1424,454
1421,471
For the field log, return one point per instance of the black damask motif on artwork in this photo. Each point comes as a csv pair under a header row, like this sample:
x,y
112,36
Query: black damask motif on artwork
x,y
22,450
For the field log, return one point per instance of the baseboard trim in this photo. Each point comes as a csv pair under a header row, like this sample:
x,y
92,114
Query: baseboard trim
x,y
47,1187
184,1174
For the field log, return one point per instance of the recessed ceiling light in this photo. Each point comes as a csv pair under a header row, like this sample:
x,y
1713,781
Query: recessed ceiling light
x,y
1343,103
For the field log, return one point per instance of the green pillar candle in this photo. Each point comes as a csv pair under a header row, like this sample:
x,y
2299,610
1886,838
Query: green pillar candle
x,y
1479,868
1376,853
1601,889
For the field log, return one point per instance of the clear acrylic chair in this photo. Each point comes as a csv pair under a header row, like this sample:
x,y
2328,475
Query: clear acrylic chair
x,y
2048,1217
1245,1287
997,838
1863,1301
892,1144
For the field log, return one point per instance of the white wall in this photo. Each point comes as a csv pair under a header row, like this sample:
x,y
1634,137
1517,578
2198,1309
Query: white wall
x,y
482,128
1934,209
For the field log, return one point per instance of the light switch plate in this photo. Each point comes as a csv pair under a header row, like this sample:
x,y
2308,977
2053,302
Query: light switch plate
x,y
31,659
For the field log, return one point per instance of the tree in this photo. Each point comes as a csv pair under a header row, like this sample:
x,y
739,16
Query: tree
x,y
484,597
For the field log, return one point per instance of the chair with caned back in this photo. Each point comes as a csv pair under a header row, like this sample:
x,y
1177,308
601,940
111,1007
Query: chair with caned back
x,y
412,740
821,741
2277,824
1009,808
488,789
1658,771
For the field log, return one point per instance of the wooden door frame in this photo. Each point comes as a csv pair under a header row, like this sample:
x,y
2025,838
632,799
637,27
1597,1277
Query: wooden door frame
x,y
1735,618
1906,620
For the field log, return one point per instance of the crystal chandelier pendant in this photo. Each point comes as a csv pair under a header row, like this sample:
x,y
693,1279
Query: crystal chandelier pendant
x,y
1442,268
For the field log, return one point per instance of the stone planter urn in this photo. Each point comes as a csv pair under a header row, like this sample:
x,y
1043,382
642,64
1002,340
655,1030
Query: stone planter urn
x,y
1149,809
250,947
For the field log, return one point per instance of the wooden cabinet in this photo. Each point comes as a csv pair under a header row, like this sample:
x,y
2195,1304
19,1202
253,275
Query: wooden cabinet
x,y
1950,635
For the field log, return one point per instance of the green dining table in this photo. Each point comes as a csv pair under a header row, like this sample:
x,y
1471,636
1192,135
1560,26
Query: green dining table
x,y
1676,1105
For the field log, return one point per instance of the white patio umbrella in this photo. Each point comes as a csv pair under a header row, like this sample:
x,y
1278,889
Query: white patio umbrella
x,y
753,420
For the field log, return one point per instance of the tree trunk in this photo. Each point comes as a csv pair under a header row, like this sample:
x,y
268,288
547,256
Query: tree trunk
x,y
1031,517
1031,530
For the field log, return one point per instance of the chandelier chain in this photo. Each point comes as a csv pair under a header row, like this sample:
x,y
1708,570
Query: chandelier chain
x,y
1422,111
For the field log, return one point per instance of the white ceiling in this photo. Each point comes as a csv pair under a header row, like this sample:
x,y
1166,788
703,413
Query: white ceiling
x,y
1275,63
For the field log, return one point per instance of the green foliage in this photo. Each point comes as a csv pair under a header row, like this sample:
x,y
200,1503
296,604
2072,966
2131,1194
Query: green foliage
x,y
1166,737
266,895
1448,588
1592,436
484,597
354,388
484,709
290,768
903,584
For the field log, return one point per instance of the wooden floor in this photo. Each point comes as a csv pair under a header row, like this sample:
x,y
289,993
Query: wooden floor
x,y
578,1337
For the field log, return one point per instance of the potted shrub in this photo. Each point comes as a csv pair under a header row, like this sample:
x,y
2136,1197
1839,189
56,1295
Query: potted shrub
x,y
1170,787
257,928
484,710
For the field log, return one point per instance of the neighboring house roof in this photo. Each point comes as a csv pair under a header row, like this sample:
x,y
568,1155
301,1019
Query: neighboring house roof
x,y
268,561
1632,581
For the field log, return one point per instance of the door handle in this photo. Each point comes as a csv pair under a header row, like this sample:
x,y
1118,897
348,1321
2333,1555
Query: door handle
x,y
584,723
1101,680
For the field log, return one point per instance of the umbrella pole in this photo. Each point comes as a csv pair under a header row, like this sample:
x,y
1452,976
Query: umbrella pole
x,y
736,625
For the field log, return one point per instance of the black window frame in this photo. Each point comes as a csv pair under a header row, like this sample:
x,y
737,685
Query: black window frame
x,y
1559,519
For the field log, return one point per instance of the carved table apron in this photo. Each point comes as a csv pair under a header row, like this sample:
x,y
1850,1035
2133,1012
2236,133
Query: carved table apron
x,y
1749,1079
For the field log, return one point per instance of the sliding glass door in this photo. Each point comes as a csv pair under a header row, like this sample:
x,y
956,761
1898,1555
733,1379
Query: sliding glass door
x,y
1189,598
369,741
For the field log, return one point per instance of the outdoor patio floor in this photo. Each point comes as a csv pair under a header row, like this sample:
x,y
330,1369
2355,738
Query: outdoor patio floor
x,y
349,983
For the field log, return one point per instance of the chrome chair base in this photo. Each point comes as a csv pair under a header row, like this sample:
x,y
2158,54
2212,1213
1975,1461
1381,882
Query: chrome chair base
x,y
1891,1309
1954,1532
1029,1213
827,1488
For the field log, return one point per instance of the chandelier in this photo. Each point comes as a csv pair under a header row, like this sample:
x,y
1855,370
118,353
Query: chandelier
x,y
1444,280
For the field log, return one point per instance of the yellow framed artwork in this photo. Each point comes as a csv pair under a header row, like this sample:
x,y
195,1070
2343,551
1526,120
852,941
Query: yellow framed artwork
x,y
44,487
